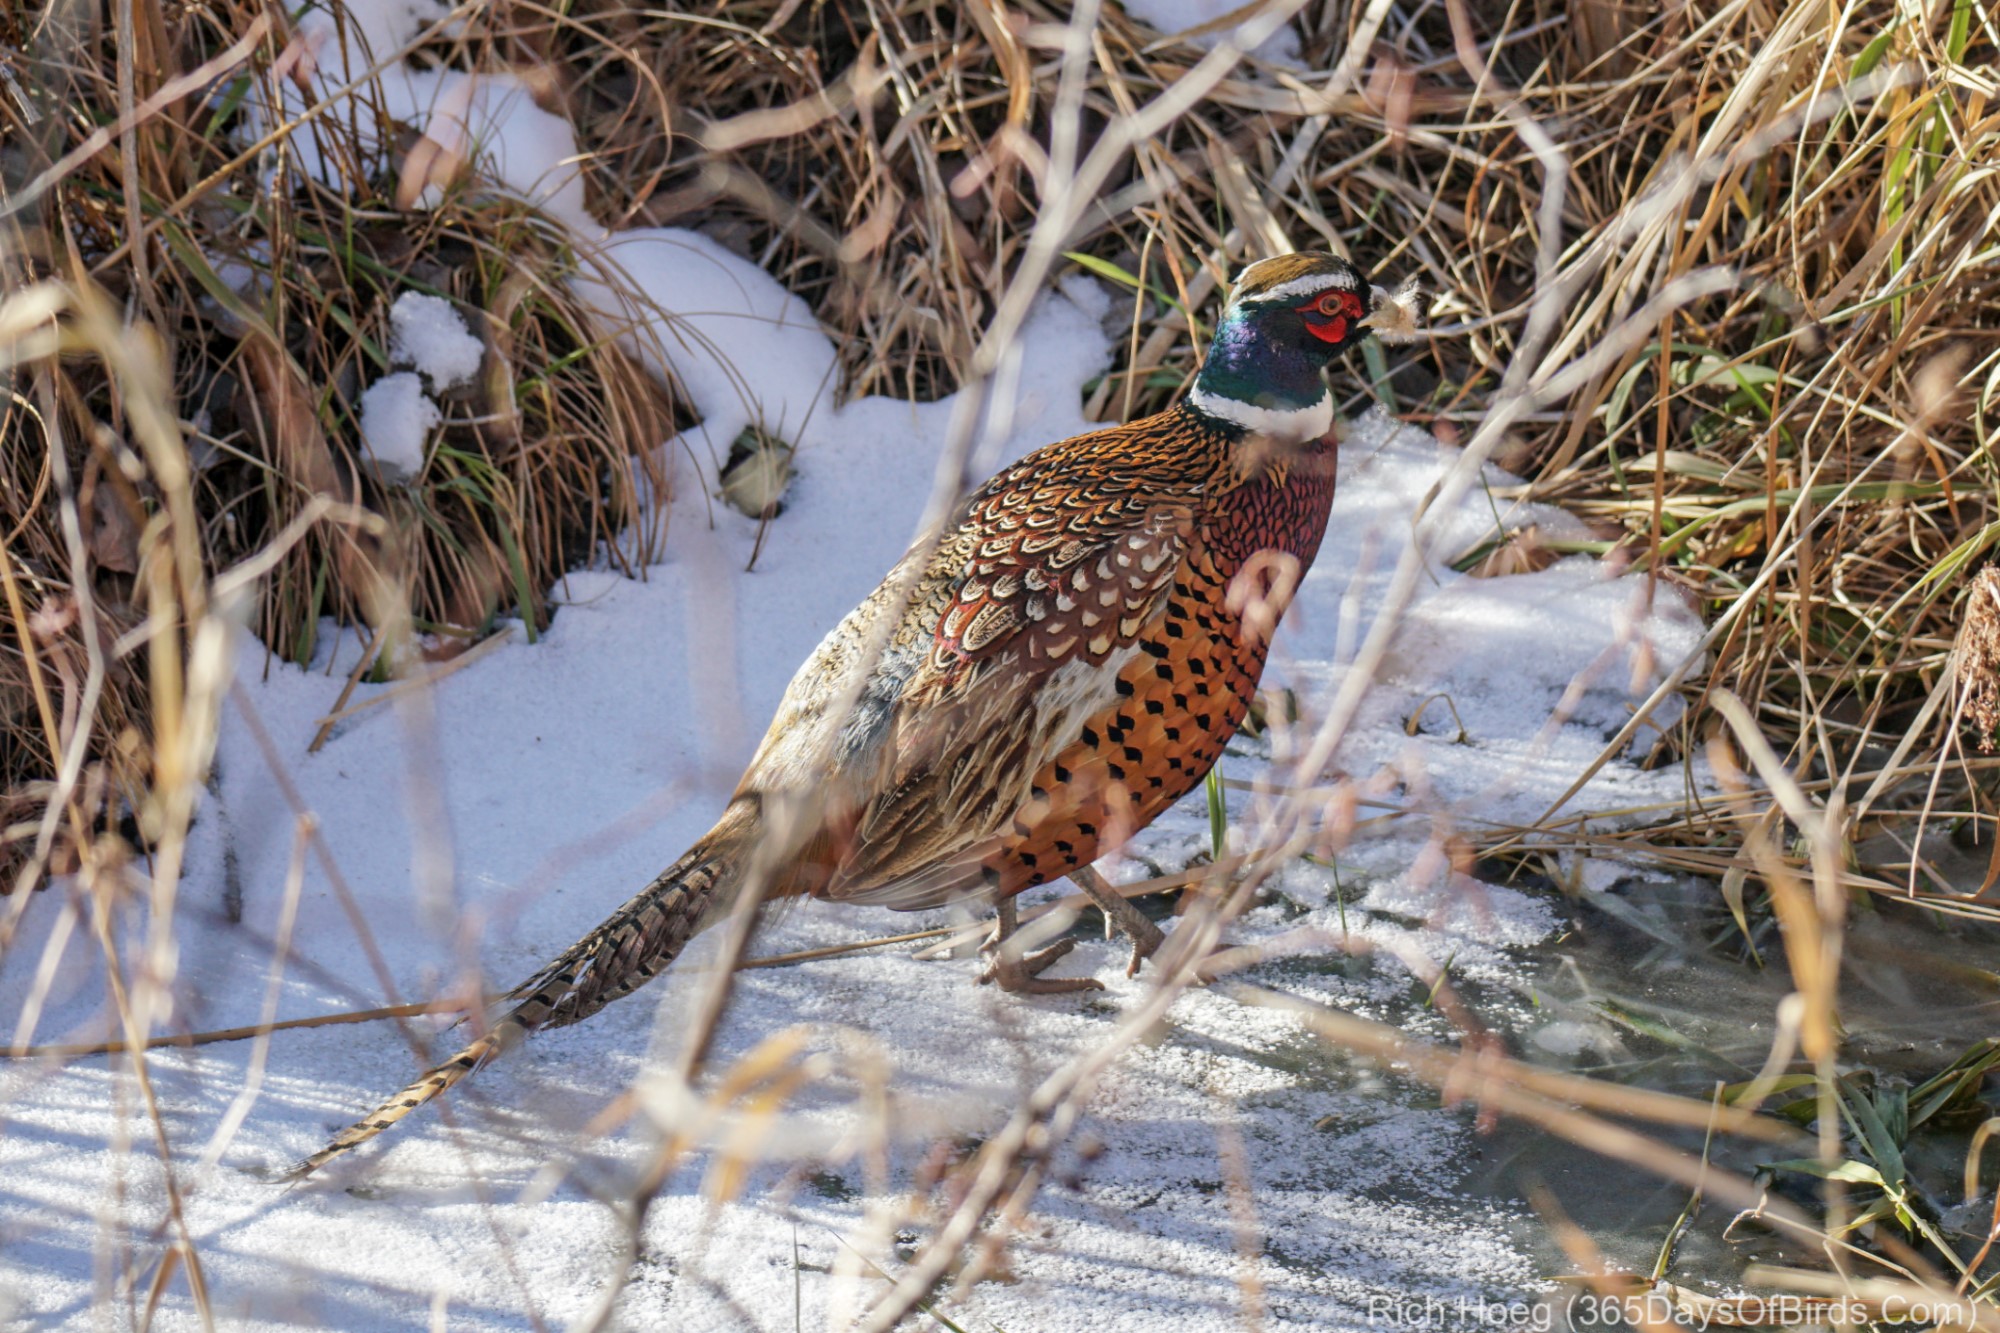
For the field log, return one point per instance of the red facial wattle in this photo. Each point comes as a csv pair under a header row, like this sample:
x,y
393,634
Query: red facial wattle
x,y
1329,314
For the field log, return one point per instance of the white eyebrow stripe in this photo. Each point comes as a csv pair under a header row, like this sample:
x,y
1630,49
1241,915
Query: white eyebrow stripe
x,y
1307,286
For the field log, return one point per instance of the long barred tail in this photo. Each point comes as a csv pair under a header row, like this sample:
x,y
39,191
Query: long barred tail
x,y
632,946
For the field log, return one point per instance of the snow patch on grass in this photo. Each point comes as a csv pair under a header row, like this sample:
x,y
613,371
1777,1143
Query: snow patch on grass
x,y
1174,17
397,417
428,334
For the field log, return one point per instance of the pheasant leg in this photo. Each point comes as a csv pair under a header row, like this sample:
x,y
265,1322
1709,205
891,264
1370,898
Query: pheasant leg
x,y
1021,974
1118,911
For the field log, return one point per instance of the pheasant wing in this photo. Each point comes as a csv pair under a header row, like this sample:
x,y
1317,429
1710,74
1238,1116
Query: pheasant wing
x,y
1040,599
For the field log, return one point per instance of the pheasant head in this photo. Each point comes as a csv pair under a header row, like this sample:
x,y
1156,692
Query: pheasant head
x,y
1286,318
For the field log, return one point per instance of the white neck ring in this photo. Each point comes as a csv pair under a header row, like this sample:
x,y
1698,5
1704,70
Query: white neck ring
x,y
1289,425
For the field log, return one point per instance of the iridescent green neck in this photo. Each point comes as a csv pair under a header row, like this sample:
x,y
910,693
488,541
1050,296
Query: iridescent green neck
x,y
1248,364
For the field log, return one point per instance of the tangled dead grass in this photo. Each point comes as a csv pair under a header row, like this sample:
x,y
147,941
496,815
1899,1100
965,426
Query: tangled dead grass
x,y
1802,451
1800,441
268,295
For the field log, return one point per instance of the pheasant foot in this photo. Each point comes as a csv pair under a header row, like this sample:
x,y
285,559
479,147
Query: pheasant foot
x,y
1119,911
1021,974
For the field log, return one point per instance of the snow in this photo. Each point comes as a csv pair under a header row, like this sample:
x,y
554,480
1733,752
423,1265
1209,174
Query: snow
x,y
489,117
1173,17
397,414
531,791
246,271
396,419
746,350
428,334
484,822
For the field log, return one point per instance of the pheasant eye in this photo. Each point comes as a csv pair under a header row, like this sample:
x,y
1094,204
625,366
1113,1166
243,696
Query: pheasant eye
x,y
1331,304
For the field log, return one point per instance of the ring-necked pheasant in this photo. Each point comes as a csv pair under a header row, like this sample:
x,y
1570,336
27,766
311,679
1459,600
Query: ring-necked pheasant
x,y
1018,699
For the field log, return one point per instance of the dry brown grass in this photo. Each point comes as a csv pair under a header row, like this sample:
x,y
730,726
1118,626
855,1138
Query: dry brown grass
x,y
1800,440
269,296
1814,433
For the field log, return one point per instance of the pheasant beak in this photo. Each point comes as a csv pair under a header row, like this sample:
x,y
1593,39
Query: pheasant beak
x,y
1392,316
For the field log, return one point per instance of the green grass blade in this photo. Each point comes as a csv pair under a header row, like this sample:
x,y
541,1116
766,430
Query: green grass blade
x,y
1218,812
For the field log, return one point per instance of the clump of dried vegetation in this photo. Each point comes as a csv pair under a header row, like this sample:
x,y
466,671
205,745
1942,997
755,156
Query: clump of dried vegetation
x,y
1772,228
